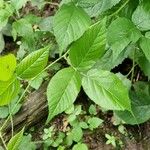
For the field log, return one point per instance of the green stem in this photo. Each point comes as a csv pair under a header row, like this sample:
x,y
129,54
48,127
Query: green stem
x,y
133,70
5,146
11,120
118,10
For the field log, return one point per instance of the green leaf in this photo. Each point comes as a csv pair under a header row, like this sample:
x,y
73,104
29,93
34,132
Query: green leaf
x,y
33,64
120,33
7,67
98,7
107,62
70,22
9,90
94,122
4,112
141,16
83,125
106,90
46,24
77,133
27,144
145,46
62,91
92,110
36,83
23,28
80,146
14,142
18,4
83,55
140,100
5,13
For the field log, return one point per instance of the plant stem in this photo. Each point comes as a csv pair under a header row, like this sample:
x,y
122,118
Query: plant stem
x,y
118,10
3,141
133,70
11,120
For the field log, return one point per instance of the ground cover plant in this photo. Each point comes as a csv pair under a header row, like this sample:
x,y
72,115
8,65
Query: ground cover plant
x,y
70,67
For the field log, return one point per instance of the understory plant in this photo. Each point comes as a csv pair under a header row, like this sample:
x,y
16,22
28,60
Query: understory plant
x,y
92,38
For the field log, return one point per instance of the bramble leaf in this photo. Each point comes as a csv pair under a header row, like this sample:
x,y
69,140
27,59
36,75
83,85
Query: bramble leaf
x,y
33,64
62,91
106,90
70,22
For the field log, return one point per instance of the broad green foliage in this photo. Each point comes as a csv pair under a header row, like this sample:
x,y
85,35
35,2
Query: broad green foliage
x,y
106,90
9,90
33,64
15,141
70,22
140,99
83,54
145,46
7,67
141,16
120,33
62,91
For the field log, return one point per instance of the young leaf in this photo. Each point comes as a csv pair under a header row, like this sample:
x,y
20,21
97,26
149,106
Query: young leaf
x,y
77,133
145,46
106,90
120,33
7,67
14,142
33,64
83,54
9,90
141,16
70,22
62,91
94,122
80,146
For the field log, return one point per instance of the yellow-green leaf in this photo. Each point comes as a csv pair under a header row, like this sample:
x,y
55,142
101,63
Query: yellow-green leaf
x,y
7,67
